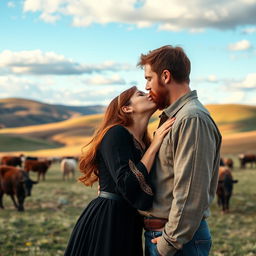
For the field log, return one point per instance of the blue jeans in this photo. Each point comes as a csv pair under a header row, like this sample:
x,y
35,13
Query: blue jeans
x,y
200,244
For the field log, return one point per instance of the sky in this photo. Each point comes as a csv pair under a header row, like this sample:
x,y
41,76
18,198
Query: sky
x,y
85,52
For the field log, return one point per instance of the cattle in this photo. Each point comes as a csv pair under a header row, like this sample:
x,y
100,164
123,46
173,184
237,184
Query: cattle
x,y
225,188
16,183
229,163
221,162
67,167
11,160
31,158
39,166
247,158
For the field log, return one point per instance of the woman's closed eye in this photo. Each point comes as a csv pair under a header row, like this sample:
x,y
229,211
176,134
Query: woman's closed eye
x,y
140,93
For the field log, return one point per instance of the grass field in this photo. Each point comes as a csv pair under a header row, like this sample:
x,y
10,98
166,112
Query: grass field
x,y
43,229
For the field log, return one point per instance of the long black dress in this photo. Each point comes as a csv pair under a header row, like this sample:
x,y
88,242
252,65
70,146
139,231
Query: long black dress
x,y
109,227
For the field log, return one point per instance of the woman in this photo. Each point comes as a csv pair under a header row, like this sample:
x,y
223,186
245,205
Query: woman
x,y
111,225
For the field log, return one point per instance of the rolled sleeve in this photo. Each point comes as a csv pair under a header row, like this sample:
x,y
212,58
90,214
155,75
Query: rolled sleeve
x,y
165,248
194,149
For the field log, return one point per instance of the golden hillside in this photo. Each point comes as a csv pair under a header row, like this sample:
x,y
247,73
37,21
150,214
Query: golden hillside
x,y
17,112
236,122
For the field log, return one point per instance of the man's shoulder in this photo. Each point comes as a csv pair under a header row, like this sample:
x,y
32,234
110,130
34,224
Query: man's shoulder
x,y
193,108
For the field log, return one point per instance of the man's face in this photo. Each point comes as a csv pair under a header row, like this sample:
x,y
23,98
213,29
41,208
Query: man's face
x,y
157,91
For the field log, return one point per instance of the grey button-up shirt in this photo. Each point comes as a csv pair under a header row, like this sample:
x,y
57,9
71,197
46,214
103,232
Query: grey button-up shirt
x,y
185,174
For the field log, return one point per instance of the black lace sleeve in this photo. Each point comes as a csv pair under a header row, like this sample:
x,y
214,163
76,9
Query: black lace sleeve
x,y
130,175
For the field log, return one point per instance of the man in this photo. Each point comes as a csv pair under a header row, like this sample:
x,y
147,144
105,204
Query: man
x,y
186,169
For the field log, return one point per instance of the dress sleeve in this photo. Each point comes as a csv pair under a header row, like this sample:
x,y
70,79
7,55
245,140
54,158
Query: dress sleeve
x,y
131,176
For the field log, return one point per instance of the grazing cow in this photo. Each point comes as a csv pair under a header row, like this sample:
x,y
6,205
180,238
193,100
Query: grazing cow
x,y
11,160
68,166
221,162
15,182
229,163
31,158
39,166
247,158
225,187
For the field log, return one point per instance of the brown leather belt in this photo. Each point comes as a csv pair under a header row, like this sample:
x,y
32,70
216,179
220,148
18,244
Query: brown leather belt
x,y
154,224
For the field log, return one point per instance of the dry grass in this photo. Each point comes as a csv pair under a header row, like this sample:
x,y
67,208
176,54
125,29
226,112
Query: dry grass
x,y
54,207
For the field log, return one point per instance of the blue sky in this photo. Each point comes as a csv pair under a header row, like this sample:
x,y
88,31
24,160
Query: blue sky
x,y
85,52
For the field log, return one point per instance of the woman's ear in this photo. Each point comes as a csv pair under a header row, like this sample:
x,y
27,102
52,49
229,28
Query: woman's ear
x,y
127,109
166,76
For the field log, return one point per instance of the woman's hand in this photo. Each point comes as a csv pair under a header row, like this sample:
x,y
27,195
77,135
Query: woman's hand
x,y
161,132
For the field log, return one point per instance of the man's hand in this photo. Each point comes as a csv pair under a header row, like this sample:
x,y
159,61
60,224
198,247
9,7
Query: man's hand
x,y
155,240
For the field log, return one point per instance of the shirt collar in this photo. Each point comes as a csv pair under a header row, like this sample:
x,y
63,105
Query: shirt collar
x,y
178,104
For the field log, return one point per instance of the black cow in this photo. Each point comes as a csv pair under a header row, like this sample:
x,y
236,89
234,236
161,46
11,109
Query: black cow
x,y
15,182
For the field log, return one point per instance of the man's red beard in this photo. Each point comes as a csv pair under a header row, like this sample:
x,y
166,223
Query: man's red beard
x,y
160,97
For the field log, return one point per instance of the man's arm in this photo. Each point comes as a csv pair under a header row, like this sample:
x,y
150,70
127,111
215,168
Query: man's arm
x,y
194,147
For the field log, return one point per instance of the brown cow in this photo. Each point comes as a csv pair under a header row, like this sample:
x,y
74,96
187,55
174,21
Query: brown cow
x,y
39,166
247,158
225,187
15,182
229,163
11,160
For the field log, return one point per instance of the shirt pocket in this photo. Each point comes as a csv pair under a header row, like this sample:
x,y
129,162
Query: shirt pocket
x,y
165,152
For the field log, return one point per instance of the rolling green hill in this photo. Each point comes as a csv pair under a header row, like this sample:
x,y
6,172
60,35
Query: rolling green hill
x,y
12,143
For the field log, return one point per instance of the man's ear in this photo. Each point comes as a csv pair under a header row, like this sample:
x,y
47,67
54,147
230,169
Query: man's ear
x,y
166,76
127,109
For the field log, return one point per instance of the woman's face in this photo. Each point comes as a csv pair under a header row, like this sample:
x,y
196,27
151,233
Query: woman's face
x,y
142,103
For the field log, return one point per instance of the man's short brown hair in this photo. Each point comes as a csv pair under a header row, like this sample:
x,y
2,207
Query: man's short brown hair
x,y
169,58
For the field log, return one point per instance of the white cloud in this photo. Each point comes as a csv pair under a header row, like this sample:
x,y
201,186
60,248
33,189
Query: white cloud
x,y
248,83
169,15
240,46
102,80
49,63
49,18
250,30
235,97
170,27
20,87
73,91
210,78
11,86
249,1
11,5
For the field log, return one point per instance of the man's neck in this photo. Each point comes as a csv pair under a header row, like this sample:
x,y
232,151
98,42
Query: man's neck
x,y
177,91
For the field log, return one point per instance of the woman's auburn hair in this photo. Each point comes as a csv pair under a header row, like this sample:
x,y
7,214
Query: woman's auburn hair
x,y
114,115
